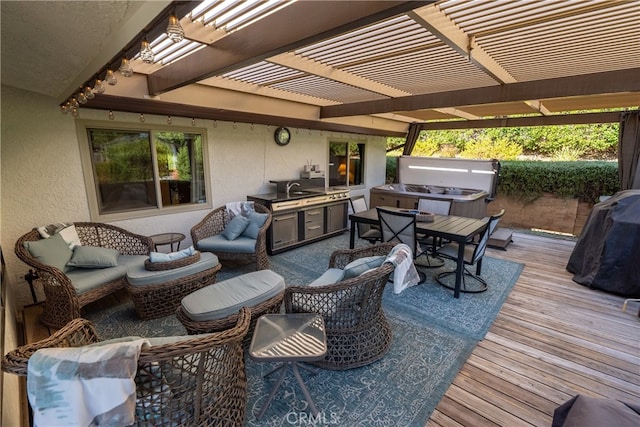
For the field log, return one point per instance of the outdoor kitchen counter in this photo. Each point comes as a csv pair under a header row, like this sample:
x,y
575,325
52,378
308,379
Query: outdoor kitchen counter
x,y
304,215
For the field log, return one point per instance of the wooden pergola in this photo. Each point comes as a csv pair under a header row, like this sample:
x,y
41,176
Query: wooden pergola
x,y
378,67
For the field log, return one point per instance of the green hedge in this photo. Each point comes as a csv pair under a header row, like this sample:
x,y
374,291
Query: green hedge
x,y
528,180
586,181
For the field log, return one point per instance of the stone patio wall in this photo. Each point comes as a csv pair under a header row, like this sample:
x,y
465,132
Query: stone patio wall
x,y
549,212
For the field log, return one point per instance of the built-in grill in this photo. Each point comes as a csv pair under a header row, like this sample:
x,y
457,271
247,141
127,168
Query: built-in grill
x,y
309,197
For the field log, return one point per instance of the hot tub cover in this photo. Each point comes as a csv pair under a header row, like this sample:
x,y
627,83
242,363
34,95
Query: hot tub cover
x,y
607,254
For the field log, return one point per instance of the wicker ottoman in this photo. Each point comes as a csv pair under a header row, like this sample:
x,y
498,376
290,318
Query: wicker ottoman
x,y
215,308
157,293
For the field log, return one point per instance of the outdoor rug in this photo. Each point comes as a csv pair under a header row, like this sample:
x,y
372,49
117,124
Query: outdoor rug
x,y
433,335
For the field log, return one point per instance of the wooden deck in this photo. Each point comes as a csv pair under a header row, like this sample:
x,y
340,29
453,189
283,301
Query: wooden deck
x,y
552,339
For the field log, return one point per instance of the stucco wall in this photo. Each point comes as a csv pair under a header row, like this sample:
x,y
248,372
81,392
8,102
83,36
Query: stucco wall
x,y
42,179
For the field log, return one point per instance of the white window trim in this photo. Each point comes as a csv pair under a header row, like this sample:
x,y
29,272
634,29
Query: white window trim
x,y
91,185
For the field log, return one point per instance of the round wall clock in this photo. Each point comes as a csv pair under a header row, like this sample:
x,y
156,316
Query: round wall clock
x,y
282,136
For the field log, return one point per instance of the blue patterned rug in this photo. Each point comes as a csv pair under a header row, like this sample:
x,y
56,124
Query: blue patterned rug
x,y
433,335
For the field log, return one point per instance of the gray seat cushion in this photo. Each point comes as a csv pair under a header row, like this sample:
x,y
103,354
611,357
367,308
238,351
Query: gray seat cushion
x,y
225,298
87,279
219,243
138,276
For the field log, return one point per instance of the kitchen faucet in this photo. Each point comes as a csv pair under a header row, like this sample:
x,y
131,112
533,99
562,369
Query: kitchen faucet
x,y
290,185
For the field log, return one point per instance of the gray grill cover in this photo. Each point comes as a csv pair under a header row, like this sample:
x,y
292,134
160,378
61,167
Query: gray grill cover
x,y
607,254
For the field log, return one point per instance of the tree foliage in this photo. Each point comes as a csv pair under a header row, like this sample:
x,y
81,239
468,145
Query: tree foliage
x,y
571,142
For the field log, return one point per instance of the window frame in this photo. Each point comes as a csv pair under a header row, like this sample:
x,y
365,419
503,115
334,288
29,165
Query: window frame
x,y
82,127
364,161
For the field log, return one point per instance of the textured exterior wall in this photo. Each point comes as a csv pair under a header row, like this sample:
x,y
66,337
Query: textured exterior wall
x,y
42,176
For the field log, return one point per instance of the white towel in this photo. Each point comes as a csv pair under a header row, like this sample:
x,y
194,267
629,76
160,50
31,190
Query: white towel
x,y
405,274
84,386
239,208
162,257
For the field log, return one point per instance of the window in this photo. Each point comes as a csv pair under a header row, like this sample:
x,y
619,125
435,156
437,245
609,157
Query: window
x,y
140,170
346,163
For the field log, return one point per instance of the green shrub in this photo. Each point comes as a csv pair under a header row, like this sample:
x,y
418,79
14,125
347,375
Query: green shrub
x,y
486,148
586,181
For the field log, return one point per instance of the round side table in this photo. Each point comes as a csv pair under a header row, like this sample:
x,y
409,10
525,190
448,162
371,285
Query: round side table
x,y
167,239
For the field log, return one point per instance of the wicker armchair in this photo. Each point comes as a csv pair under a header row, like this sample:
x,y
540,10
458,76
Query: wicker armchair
x,y
214,223
358,332
63,303
203,377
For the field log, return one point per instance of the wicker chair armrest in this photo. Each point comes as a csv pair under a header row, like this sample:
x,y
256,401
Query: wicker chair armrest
x,y
345,304
55,275
340,258
199,343
213,223
323,294
261,241
113,237
76,333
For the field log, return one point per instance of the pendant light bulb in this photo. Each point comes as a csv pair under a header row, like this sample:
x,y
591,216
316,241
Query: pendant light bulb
x,y
98,87
146,54
125,68
110,78
88,93
174,29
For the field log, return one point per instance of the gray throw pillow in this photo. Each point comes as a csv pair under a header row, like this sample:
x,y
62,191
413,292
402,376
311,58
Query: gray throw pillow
x,y
53,251
235,227
360,265
93,257
256,220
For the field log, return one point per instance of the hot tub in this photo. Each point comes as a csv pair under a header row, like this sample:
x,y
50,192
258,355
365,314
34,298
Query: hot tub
x,y
468,184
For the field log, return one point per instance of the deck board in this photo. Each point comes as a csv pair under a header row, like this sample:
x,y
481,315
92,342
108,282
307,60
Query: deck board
x,y
552,339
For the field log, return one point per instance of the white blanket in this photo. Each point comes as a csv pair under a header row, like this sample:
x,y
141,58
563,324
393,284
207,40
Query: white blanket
x,y
239,208
84,386
405,274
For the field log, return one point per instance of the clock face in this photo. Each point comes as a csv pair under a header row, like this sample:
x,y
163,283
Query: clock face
x,y
282,136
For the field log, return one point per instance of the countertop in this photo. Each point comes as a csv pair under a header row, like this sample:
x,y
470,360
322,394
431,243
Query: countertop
x,y
296,193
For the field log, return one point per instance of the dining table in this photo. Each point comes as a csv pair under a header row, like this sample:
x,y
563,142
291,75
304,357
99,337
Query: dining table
x,y
447,227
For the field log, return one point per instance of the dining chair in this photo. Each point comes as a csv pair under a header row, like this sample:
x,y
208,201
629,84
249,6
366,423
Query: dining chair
x,y
438,207
365,231
473,254
400,227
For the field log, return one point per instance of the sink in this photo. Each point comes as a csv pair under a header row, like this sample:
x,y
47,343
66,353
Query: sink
x,y
299,193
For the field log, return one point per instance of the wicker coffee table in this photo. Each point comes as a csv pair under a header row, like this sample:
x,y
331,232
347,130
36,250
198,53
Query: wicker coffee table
x,y
290,339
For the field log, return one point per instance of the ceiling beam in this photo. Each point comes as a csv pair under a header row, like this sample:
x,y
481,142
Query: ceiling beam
x,y
273,35
560,119
443,27
150,106
316,68
587,84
